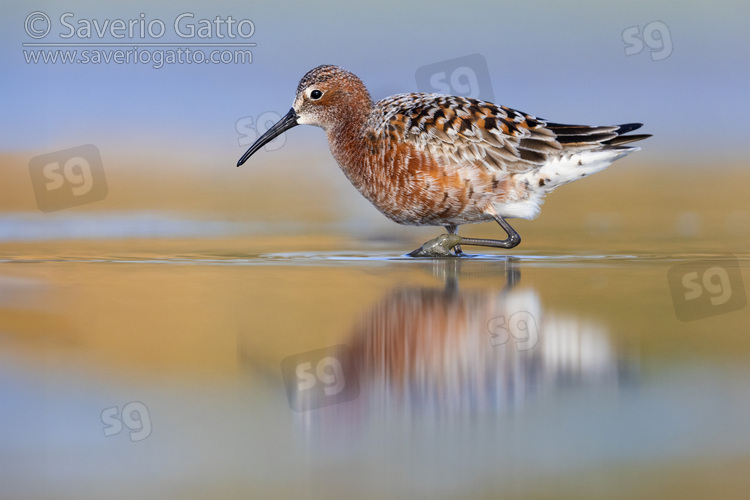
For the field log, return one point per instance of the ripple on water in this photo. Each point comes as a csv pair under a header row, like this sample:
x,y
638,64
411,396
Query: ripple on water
x,y
333,258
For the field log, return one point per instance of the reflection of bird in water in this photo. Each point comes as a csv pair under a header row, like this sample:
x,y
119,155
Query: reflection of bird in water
x,y
442,352
429,159
451,352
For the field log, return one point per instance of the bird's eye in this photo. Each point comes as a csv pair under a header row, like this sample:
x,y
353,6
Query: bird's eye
x,y
316,94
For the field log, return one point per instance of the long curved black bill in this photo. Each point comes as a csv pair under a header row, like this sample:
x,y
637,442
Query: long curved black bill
x,y
288,121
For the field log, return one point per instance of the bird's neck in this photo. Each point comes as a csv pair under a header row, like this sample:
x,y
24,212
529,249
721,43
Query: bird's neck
x,y
347,142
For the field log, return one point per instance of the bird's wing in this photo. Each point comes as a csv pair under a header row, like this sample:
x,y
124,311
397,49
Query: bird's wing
x,y
459,130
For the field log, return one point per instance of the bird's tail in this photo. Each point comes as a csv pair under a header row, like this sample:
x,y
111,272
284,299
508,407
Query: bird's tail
x,y
586,151
586,138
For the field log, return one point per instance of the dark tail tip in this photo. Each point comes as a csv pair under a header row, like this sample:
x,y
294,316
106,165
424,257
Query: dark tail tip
x,y
627,127
626,139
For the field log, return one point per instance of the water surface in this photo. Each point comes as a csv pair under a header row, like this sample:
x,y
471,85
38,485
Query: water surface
x,y
180,367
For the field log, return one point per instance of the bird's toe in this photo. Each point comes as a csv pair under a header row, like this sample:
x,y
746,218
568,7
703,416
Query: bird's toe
x,y
438,247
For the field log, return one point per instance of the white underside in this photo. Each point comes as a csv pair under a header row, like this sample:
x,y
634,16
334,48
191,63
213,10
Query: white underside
x,y
533,185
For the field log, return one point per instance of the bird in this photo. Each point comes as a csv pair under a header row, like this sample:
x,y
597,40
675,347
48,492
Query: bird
x,y
439,160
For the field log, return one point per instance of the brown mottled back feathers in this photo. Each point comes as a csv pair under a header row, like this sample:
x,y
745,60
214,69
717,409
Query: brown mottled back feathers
x,y
459,130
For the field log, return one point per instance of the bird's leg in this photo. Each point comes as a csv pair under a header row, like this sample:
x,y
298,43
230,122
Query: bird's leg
x,y
511,241
453,229
443,244
438,247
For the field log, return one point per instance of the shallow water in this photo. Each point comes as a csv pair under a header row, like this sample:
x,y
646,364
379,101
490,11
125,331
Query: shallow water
x,y
255,338
194,368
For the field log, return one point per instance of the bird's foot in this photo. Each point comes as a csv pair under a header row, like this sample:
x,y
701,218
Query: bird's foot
x,y
439,247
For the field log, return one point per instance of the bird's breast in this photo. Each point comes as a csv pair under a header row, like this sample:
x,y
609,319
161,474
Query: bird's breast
x,y
410,186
